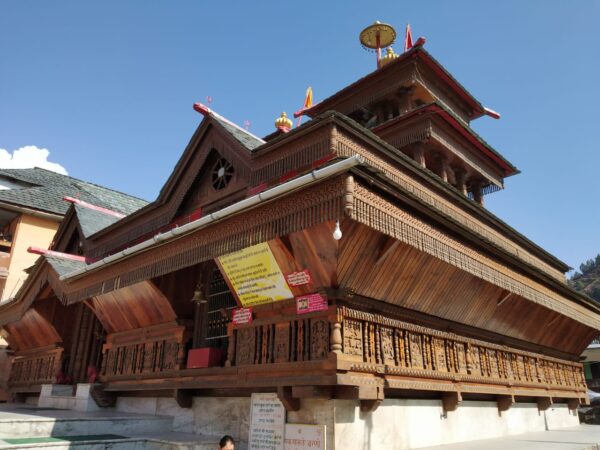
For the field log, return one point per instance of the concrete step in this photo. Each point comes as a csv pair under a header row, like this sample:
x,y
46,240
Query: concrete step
x,y
22,423
154,441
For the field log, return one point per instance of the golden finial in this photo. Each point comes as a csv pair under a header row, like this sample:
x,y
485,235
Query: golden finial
x,y
283,123
389,56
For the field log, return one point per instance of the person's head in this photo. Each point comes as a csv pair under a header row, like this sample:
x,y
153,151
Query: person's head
x,y
226,443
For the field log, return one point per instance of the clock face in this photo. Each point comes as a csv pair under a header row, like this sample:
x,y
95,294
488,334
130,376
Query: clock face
x,y
222,173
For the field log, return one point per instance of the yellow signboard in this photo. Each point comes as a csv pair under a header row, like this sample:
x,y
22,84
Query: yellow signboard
x,y
255,276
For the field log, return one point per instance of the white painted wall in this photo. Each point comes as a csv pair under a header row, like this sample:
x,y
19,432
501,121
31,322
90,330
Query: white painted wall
x,y
396,424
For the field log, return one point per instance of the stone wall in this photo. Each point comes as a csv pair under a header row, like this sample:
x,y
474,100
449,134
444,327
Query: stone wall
x,y
396,424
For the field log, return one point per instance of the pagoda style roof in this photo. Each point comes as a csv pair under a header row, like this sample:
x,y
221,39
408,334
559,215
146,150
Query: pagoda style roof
x,y
47,189
415,53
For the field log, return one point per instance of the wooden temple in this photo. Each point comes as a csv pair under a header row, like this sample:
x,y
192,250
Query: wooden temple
x,y
348,258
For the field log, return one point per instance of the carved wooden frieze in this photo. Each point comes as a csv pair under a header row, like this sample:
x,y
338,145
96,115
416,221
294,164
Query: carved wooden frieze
x,y
412,350
289,341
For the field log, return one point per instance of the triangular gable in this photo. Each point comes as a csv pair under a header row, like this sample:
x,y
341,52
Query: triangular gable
x,y
215,139
46,274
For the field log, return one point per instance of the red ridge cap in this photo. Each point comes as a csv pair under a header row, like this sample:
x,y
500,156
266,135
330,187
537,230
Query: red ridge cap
x,y
202,109
94,207
43,251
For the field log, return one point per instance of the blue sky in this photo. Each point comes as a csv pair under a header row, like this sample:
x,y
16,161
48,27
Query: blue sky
x,y
107,87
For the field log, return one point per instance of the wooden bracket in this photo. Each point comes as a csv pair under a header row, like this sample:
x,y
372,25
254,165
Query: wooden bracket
x,y
368,406
312,392
286,397
505,402
183,398
573,403
544,403
450,401
102,398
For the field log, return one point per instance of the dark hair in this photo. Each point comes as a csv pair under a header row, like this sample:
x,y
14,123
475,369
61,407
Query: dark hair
x,y
226,440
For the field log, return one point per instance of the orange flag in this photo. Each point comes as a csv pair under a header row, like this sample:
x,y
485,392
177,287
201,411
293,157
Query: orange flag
x,y
308,98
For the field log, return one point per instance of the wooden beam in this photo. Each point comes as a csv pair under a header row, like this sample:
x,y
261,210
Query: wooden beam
x,y
285,396
183,398
505,402
544,403
312,392
450,401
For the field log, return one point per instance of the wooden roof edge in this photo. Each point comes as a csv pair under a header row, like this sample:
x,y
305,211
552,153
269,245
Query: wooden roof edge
x,y
466,131
449,190
466,232
418,52
171,182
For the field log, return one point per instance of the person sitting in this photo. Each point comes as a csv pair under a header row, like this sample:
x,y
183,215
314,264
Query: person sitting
x,y
226,443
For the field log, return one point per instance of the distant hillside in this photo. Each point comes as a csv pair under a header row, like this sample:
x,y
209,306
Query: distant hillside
x,y
587,280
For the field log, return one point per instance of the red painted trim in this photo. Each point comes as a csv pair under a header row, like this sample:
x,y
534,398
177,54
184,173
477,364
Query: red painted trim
x,y
288,176
436,109
94,207
284,129
320,162
43,251
202,109
491,113
257,189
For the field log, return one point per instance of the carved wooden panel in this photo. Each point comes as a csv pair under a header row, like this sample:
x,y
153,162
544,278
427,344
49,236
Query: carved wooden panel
x,y
36,366
353,340
282,342
144,350
319,338
290,341
376,339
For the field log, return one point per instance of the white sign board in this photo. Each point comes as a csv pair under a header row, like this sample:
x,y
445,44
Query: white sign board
x,y
267,423
304,437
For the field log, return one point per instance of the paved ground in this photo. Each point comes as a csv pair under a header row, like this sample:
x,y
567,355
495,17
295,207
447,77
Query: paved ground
x,y
583,437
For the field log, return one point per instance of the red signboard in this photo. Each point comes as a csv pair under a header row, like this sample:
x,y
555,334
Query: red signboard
x,y
242,316
310,303
298,278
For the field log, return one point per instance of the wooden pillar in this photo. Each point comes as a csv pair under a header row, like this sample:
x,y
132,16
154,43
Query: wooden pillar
x,y
477,193
460,180
419,154
444,169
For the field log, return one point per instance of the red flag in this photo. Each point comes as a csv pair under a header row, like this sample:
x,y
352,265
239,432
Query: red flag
x,y
408,42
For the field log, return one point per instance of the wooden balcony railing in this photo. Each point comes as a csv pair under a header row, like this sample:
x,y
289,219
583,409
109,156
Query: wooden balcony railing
x,y
154,349
294,340
35,367
407,350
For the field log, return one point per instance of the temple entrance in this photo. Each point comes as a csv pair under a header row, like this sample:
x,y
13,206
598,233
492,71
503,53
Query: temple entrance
x,y
213,312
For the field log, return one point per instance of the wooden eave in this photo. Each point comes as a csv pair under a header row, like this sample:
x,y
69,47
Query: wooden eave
x,y
42,275
445,189
416,53
387,187
333,120
436,111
